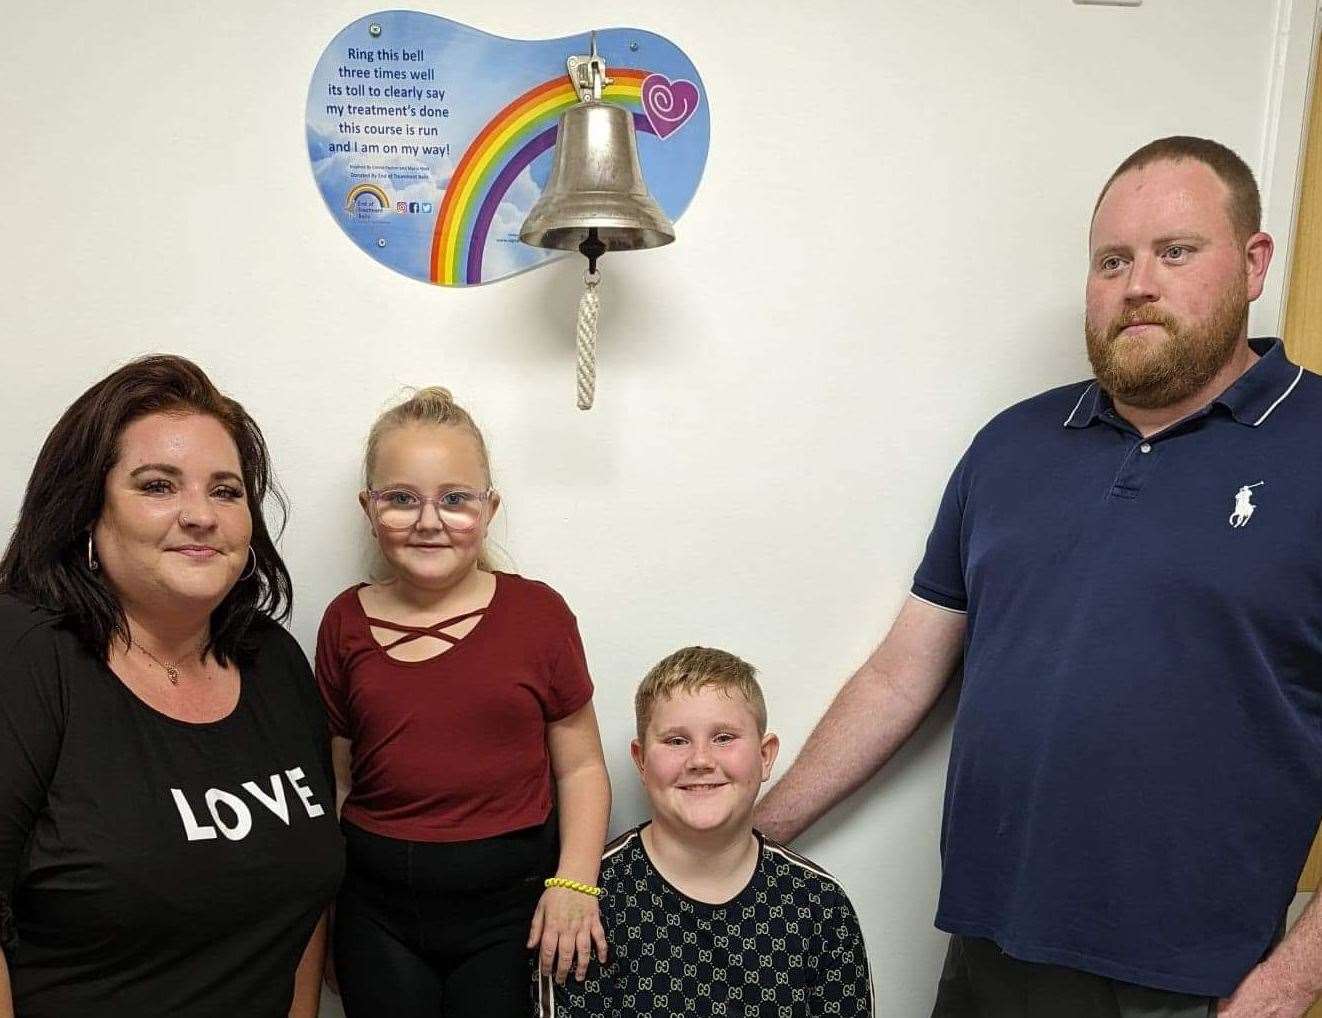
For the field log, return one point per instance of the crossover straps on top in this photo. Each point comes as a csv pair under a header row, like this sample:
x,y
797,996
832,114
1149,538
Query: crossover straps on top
x,y
417,632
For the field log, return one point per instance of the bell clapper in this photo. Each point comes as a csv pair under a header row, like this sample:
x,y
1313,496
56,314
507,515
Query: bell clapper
x,y
592,248
589,312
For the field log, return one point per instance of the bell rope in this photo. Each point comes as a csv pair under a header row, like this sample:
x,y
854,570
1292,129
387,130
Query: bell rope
x,y
589,310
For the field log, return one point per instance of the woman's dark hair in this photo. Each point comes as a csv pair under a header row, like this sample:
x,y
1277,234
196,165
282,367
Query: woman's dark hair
x,y
46,561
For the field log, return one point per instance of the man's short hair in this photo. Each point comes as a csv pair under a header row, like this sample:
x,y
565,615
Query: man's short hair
x,y
1244,206
695,668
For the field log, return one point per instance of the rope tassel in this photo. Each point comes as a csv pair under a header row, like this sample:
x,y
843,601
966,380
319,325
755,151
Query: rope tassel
x,y
589,310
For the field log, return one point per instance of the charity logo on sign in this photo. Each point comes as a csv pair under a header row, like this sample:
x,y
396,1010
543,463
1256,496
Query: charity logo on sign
x,y
366,201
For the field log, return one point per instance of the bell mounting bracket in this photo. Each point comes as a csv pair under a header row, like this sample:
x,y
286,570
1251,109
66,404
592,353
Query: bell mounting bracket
x,y
588,74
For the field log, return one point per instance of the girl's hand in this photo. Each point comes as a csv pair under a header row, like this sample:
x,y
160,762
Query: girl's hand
x,y
567,924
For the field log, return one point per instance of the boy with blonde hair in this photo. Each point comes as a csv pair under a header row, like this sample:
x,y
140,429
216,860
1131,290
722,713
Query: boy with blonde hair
x,y
704,915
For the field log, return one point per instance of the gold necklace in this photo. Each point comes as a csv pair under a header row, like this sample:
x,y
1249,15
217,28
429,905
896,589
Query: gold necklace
x,y
171,671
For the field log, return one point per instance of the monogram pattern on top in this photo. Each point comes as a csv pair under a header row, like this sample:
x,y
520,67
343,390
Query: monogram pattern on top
x,y
787,946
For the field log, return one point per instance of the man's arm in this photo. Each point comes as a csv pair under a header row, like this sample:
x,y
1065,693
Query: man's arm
x,y
870,718
1288,980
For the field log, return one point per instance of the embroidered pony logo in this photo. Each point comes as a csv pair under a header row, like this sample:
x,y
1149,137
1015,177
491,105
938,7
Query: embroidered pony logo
x,y
1244,505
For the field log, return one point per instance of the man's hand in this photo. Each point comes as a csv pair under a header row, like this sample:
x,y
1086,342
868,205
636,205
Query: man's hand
x,y
878,708
1265,994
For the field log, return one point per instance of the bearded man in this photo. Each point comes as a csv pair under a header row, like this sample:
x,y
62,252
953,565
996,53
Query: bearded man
x,y
1131,572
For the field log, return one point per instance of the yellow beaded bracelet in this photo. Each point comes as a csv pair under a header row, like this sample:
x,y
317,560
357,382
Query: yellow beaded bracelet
x,y
573,885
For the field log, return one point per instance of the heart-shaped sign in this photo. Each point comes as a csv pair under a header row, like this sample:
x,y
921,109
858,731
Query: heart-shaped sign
x,y
430,140
668,103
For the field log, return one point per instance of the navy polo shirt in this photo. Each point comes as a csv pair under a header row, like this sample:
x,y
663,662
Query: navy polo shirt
x,y
1136,772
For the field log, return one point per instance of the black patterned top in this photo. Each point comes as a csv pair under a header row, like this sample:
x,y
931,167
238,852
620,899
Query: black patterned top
x,y
787,946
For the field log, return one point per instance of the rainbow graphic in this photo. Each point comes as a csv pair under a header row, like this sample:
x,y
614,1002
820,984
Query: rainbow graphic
x,y
511,140
351,199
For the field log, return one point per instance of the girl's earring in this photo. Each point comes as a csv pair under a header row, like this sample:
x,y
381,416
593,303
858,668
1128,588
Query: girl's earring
x,y
92,564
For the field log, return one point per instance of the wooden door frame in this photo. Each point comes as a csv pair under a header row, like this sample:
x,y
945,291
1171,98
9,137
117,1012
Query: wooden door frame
x,y
1281,155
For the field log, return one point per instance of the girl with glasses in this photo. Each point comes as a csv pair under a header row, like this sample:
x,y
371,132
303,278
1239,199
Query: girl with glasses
x,y
467,755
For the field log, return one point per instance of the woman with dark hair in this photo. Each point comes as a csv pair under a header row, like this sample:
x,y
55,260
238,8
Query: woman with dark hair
x,y
167,827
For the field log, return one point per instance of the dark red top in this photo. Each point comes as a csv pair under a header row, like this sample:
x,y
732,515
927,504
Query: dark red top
x,y
453,748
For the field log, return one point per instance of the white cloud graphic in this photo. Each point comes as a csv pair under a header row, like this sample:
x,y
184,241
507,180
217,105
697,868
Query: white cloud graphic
x,y
504,254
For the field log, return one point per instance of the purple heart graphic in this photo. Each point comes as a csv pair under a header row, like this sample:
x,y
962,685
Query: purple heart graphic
x,y
668,104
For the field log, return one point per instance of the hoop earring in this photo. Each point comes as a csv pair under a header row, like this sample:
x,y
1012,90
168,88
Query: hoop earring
x,y
252,565
92,564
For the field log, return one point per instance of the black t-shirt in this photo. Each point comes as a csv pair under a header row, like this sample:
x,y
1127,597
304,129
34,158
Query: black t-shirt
x,y
787,946
156,866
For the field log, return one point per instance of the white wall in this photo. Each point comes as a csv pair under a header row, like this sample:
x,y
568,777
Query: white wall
x,y
888,246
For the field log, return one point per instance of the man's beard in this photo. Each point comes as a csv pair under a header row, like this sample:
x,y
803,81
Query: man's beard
x,y
1151,373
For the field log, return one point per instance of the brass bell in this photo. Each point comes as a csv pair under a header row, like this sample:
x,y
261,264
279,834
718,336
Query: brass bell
x,y
596,184
595,198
